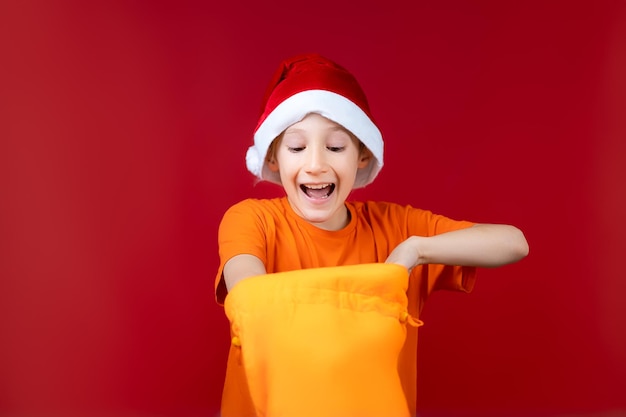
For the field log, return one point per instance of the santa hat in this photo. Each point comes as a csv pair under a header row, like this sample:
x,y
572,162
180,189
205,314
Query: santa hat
x,y
306,84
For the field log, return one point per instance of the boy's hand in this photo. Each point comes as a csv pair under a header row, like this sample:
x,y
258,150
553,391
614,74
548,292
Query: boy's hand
x,y
406,254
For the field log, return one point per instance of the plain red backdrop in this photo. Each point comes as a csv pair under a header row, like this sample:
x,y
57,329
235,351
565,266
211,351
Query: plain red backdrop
x,y
123,129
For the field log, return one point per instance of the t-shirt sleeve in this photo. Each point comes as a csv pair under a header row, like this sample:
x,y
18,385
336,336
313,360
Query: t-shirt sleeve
x,y
241,231
442,277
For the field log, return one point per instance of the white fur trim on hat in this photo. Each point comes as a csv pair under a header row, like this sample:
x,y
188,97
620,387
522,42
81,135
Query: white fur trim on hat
x,y
325,103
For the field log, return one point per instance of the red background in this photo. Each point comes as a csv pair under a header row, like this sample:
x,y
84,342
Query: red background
x,y
123,129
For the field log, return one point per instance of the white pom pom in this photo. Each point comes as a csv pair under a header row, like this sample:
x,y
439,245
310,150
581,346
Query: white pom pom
x,y
253,161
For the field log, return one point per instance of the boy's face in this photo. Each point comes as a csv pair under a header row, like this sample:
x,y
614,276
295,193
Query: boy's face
x,y
317,161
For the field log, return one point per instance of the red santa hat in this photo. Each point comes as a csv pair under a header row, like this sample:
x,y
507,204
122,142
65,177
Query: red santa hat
x,y
306,84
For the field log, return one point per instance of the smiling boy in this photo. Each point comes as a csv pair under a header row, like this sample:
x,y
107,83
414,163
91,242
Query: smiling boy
x,y
316,138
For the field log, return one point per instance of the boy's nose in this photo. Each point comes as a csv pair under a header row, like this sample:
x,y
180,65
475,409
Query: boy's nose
x,y
316,161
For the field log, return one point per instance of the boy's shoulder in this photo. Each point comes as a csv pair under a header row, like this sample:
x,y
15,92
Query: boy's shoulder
x,y
386,210
258,203
381,206
261,207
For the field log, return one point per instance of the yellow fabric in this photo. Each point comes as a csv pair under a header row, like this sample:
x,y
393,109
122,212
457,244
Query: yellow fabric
x,y
321,342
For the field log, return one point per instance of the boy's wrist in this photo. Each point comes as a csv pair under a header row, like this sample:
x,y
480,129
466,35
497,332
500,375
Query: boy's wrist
x,y
417,246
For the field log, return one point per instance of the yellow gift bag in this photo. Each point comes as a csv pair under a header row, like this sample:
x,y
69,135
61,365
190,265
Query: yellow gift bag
x,y
322,342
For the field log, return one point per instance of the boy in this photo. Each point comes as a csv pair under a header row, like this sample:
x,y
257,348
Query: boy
x,y
317,139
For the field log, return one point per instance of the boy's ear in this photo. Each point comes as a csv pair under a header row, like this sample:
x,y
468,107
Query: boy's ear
x,y
272,164
365,158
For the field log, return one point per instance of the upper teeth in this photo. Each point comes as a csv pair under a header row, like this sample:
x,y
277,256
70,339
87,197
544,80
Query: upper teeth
x,y
318,186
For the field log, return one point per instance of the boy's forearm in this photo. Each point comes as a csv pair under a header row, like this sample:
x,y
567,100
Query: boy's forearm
x,y
482,245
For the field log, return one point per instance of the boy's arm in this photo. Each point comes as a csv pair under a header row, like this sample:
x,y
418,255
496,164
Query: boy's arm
x,y
482,245
242,266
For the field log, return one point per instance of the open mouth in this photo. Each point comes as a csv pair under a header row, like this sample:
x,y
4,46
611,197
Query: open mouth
x,y
318,191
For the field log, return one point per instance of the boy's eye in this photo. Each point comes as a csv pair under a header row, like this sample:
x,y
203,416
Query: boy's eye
x,y
336,148
295,148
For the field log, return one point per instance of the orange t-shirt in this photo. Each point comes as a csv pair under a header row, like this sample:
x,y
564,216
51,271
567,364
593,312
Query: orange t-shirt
x,y
271,231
